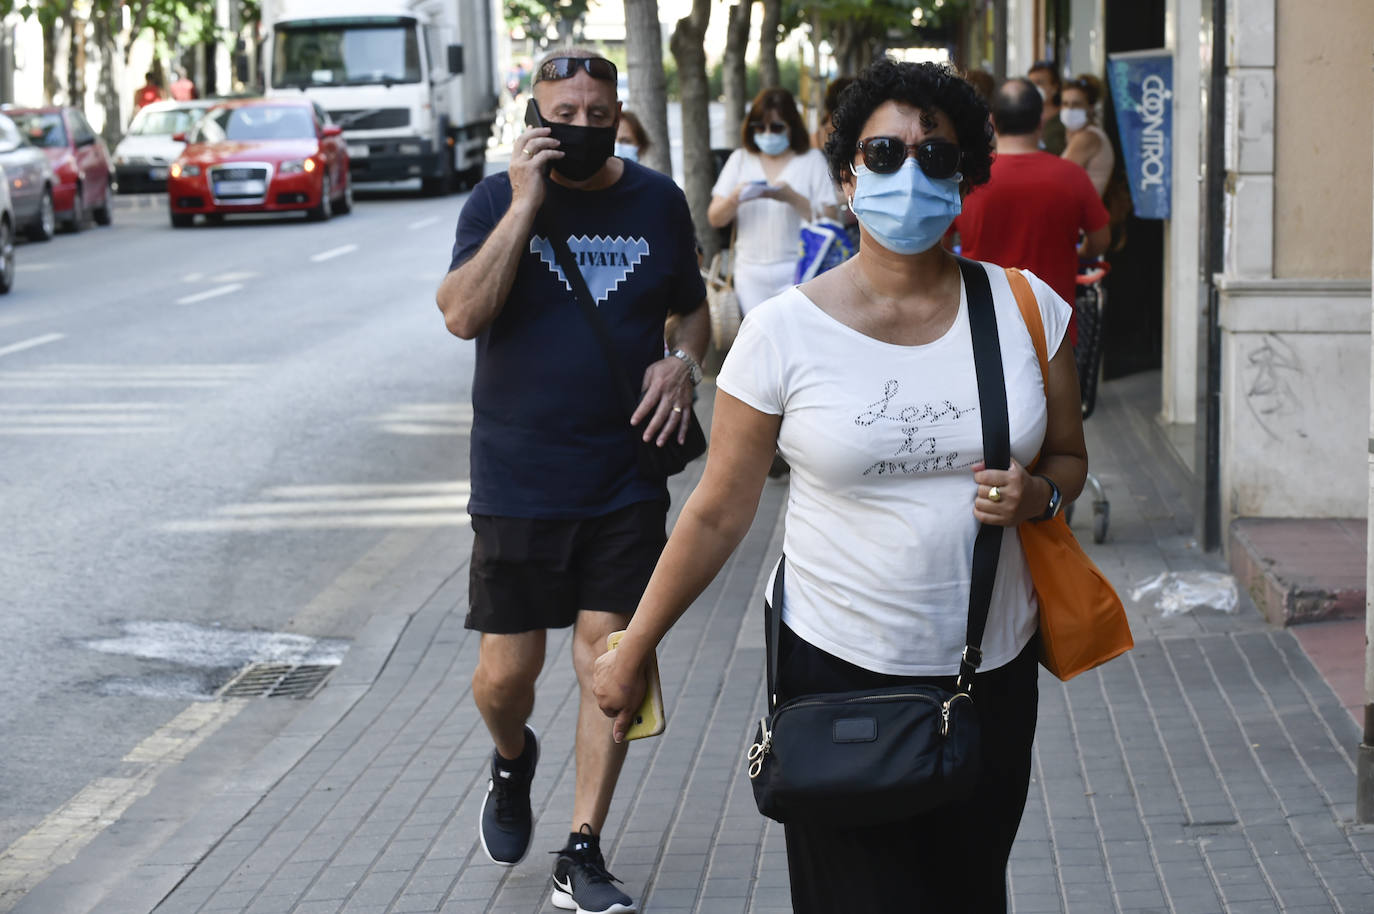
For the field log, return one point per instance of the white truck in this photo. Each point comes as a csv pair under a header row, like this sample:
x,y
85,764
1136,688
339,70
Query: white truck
x,y
413,83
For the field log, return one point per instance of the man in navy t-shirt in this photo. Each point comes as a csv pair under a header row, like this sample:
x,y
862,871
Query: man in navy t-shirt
x,y
567,527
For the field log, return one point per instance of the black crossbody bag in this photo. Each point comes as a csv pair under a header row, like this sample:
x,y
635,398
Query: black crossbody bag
x,y
654,462
851,759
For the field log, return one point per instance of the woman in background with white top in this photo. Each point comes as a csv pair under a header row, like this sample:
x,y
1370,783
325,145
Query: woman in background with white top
x,y
771,184
864,379
1088,144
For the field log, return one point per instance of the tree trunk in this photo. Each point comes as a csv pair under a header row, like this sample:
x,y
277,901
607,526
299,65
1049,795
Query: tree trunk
x,y
768,44
52,32
648,85
107,96
734,71
76,62
698,170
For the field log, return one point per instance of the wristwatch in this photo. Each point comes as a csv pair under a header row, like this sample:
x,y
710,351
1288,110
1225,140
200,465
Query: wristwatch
x,y
1052,508
693,368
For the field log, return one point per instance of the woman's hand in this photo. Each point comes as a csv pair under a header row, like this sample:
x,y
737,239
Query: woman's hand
x,y
618,684
1019,495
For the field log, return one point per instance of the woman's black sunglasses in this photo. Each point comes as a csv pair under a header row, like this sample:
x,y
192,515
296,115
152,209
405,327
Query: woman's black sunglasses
x,y
556,68
885,154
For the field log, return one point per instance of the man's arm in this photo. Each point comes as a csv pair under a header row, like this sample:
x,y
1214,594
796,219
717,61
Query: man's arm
x,y
471,296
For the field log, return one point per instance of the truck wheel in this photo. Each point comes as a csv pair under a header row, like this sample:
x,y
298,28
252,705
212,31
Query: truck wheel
x,y
443,183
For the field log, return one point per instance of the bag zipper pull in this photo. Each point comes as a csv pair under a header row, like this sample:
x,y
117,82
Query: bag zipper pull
x,y
944,718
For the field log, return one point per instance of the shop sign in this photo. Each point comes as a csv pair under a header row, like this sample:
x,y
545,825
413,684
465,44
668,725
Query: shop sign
x,y
1142,92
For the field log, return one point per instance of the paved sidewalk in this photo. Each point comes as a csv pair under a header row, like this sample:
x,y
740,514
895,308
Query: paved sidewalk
x,y
1209,770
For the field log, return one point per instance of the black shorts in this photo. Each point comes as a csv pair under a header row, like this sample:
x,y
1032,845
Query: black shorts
x,y
529,574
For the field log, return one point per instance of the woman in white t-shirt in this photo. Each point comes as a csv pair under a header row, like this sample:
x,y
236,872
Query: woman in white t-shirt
x,y
771,184
864,379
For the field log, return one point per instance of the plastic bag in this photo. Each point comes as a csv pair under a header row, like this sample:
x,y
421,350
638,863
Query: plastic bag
x,y
824,244
1181,591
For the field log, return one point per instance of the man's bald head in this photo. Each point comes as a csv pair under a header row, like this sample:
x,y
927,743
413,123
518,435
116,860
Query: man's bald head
x,y
1016,108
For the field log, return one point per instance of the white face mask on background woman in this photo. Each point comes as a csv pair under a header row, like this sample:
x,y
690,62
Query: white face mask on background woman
x,y
627,151
907,211
772,144
1073,118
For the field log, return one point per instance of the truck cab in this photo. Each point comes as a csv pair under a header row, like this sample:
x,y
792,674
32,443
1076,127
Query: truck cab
x,y
411,82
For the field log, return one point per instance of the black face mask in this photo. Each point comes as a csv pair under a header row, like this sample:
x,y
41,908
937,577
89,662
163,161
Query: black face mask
x,y
585,149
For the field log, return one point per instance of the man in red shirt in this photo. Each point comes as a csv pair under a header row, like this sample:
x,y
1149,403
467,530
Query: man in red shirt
x,y
1031,212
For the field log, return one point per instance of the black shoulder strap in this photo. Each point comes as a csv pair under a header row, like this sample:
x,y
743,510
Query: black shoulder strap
x,y
568,264
987,547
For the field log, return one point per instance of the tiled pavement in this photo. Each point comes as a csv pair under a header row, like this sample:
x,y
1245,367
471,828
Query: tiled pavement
x,y
1211,769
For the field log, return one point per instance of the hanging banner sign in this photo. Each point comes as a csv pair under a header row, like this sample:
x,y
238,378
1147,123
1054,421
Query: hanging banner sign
x,y
1142,92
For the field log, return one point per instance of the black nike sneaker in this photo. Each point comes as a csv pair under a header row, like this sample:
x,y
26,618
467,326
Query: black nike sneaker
x,y
507,822
581,882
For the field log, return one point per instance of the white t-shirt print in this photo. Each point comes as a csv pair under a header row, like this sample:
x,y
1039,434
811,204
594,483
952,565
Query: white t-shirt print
x,y
881,439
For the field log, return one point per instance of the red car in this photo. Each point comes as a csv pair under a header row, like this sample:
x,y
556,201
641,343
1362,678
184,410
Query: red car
x,y
80,163
262,155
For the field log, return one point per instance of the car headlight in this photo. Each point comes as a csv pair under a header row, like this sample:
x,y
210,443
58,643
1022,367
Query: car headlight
x,y
296,166
185,171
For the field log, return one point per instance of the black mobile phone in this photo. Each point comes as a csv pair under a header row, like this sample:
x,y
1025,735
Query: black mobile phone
x,y
532,116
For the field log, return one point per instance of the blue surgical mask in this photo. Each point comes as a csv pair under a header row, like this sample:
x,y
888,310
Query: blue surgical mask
x,y
772,144
627,151
907,211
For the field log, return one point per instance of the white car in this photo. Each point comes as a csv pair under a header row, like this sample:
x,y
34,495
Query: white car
x,y
8,227
142,158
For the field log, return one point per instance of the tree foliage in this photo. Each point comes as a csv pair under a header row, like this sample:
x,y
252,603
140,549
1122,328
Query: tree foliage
x,y
540,17
859,29
172,21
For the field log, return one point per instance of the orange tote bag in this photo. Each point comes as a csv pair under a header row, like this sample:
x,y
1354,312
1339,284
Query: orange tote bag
x,y
1082,621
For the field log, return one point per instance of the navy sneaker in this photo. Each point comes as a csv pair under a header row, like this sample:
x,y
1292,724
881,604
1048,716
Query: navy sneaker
x,y
581,882
507,822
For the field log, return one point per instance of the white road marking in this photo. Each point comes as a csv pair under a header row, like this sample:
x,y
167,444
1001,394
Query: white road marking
x,y
454,502
421,223
31,343
210,293
60,837
232,277
341,522
193,277
333,252
362,490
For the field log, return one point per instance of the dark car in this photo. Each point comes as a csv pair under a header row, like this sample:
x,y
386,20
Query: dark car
x,y
267,155
80,163
30,178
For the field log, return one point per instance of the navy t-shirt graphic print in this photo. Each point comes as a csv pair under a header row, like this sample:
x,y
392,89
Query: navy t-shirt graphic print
x,y
550,437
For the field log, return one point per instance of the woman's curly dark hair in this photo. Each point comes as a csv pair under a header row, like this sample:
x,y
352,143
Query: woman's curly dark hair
x,y
920,85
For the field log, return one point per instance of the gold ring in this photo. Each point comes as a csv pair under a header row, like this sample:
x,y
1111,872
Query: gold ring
x,y
528,151
677,409
994,494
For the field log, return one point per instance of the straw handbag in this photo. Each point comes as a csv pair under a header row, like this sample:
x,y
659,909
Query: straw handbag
x,y
721,299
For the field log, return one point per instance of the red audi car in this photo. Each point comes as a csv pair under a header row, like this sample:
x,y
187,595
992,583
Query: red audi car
x,y
80,163
263,155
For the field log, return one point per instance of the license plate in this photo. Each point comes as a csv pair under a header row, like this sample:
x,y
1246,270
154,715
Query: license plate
x,y
239,188
157,174
358,151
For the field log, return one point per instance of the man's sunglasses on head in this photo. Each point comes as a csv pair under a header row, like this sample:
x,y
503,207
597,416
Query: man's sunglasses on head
x,y
885,154
556,68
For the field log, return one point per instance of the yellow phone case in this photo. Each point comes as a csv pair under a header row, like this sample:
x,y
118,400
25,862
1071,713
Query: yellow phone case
x,y
649,719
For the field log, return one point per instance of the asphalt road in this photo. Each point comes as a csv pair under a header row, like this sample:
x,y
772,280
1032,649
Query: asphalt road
x,y
211,441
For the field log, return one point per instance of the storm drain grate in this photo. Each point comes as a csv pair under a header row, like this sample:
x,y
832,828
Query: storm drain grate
x,y
277,680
